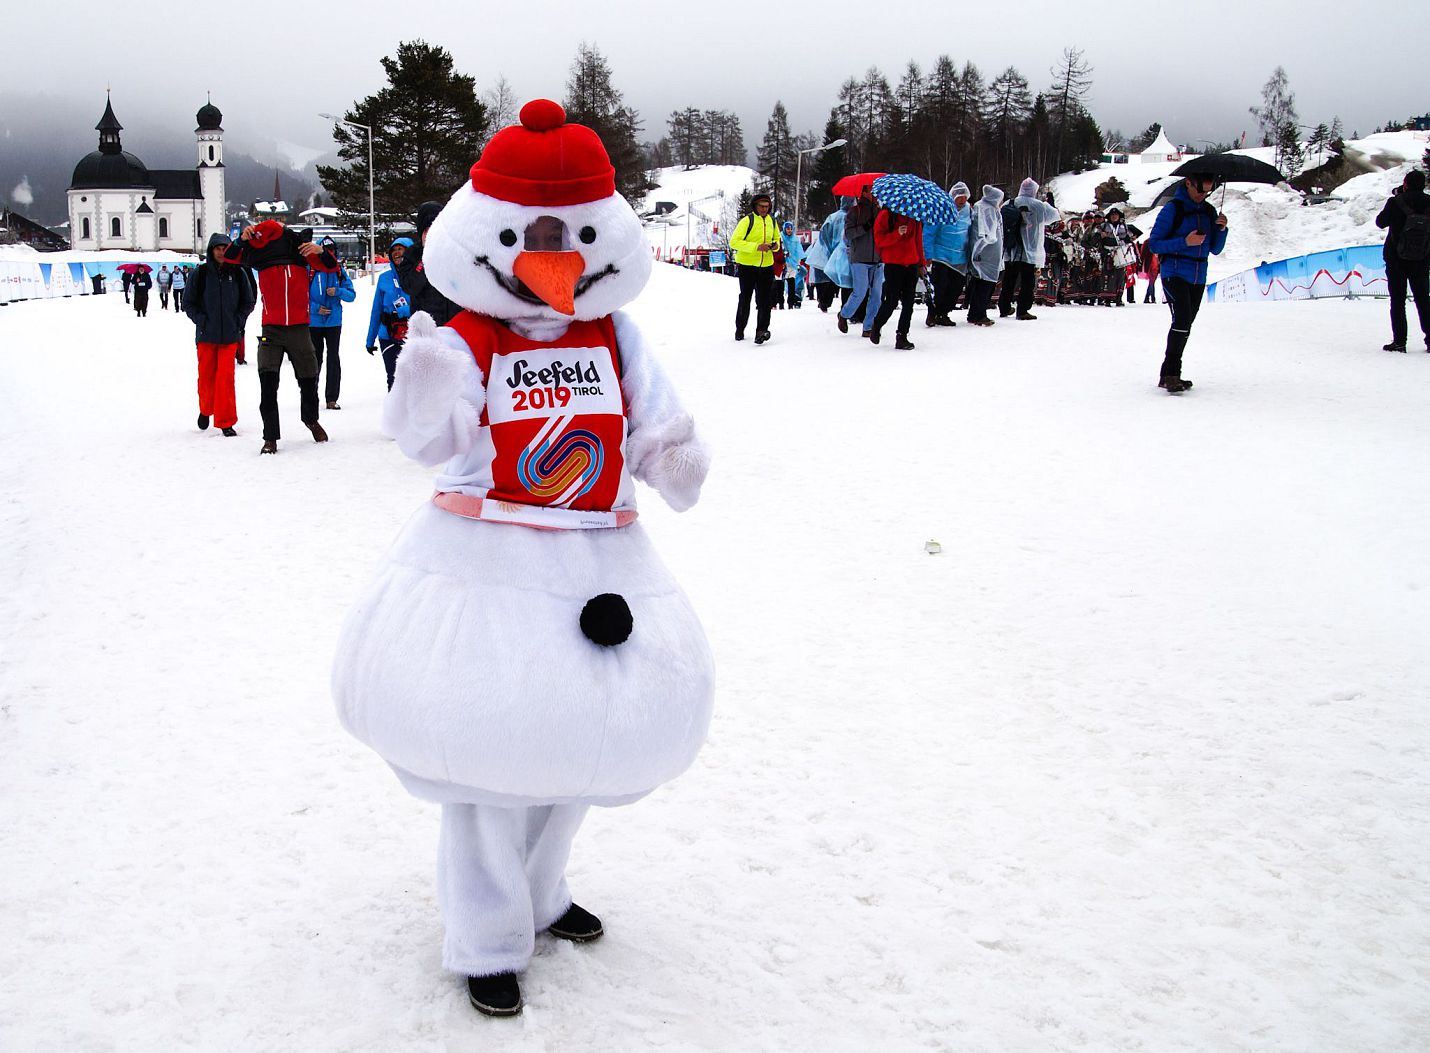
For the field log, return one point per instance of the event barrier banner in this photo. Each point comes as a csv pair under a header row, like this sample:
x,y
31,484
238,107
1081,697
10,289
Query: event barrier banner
x,y
1355,271
41,280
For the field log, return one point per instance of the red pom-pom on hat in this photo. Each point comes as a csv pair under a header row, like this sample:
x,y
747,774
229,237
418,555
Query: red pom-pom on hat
x,y
545,161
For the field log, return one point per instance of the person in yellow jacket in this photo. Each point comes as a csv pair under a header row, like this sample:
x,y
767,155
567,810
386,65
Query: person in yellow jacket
x,y
754,241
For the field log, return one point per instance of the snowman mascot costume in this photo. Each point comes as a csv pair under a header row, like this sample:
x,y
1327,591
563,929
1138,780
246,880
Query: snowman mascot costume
x,y
523,653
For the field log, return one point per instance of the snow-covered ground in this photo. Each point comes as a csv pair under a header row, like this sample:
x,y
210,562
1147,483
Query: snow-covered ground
x,y
1140,761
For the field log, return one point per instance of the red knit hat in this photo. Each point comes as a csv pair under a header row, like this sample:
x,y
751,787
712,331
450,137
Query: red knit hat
x,y
545,161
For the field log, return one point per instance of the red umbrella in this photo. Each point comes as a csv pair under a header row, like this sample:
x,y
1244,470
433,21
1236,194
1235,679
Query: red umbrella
x,y
854,185
134,268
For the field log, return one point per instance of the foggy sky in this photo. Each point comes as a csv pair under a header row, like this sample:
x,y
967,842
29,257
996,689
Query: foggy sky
x,y
272,67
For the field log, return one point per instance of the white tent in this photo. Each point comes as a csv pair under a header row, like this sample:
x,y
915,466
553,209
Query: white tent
x,y
1160,150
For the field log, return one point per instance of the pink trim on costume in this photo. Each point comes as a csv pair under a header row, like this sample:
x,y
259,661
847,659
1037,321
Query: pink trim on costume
x,y
493,511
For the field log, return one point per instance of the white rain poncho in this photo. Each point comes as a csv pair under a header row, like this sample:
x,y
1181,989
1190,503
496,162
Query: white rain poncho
x,y
985,236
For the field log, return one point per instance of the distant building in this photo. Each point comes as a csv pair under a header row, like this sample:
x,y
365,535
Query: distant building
x,y
1419,124
15,229
115,202
1160,151
274,208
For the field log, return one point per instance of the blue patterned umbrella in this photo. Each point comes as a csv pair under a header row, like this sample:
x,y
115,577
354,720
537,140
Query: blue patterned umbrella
x,y
908,195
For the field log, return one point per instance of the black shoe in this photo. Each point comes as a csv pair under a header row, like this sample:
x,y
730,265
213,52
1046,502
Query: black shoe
x,y
1004,314
1027,316
230,432
901,343
762,336
873,335
930,321
319,435
739,335
269,446
1392,346
498,995
944,319
203,422
578,925
1174,385
843,324
333,405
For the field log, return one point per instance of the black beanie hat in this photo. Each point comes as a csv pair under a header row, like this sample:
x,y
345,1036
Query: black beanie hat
x,y
426,213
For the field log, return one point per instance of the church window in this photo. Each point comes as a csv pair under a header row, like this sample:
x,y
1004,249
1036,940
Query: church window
x,y
163,226
114,228
211,153
84,229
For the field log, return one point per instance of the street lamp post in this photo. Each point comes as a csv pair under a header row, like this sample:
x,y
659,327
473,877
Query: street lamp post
x,y
798,166
371,209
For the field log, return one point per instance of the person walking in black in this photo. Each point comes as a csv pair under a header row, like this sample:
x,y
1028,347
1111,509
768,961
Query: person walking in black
x,y
142,283
1407,256
413,277
901,247
754,242
1188,231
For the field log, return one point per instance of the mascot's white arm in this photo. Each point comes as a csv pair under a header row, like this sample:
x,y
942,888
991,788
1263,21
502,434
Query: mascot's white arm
x,y
435,406
662,449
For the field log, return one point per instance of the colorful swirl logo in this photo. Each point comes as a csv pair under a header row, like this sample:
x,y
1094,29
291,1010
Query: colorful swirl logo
x,y
567,465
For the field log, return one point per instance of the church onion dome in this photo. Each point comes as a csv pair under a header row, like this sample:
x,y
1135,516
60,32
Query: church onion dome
x,y
209,118
106,171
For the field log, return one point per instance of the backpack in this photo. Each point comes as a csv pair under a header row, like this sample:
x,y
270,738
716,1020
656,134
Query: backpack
x,y
1413,245
1013,232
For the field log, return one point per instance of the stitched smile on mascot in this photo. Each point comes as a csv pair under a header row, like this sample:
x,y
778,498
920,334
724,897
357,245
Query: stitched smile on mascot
x,y
523,653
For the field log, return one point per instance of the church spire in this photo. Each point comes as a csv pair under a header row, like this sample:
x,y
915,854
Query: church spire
x,y
108,128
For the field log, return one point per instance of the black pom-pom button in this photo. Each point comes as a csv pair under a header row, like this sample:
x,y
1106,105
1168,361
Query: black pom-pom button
x,y
606,620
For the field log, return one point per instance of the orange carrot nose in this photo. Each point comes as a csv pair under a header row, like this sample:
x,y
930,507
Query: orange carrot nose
x,y
552,276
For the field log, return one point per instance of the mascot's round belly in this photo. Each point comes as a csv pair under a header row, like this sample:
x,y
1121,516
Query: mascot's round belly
x,y
466,668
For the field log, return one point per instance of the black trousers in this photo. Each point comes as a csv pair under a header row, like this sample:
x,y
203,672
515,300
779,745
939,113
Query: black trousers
x,y
760,283
1185,300
296,342
390,350
901,281
947,286
163,298
325,342
1022,277
825,291
980,295
1416,276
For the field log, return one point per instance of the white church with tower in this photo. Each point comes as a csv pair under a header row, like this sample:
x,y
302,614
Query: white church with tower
x,y
115,202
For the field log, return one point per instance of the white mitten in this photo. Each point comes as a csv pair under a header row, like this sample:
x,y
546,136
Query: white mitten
x,y
672,460
430,373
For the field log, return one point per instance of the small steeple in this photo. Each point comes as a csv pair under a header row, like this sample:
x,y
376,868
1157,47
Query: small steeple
x,y
277,194
109,129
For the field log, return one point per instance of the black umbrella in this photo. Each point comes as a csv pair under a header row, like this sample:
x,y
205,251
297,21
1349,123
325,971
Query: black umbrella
x,y
1230,168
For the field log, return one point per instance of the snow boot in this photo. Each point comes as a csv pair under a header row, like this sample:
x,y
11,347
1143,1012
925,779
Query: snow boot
x,y
203,422
319,435
1028,316
1174,385
761,336
944,319
269,446
498,995
739,335
873,335
901,343
1392,346
843,324
578,925
230,432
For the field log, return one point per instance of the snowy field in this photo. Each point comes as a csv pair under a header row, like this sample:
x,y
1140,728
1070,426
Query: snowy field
x,y
1140,761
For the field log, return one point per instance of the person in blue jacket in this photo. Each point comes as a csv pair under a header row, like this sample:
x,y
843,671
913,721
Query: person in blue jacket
x,y
946,246
794,265
326,296
829,259
1187,232
390,310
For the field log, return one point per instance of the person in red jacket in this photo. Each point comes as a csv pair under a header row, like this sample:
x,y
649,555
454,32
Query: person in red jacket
x,y
901,246
285,260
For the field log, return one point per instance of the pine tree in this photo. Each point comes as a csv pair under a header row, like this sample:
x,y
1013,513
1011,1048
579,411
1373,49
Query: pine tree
x,y
1072,78
424,124
1009,106
1335,129
1277,117
829,167
775,160
592,100
1317,144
